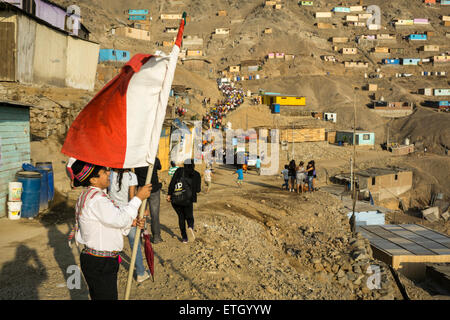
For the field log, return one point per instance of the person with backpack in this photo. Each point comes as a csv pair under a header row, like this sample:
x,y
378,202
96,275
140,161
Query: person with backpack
x,y
182,193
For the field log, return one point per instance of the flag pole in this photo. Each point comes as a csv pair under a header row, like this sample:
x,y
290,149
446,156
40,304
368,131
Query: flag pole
x,y
137,237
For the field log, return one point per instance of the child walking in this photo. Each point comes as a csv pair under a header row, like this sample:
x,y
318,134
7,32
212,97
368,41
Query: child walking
x,y
208,174
240,175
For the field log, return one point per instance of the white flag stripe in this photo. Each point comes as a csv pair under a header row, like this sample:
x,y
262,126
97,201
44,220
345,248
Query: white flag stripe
x,y
147,97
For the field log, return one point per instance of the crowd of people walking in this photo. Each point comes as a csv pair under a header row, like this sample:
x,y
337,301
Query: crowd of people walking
x,y
233,98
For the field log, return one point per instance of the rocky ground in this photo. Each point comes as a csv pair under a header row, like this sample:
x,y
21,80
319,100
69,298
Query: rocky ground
x,y
258,242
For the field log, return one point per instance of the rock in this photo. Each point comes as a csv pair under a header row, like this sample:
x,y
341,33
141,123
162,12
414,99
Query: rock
x,y
357,269
358,280
229,206
335,268
263,201
431,214
351,276
445,215
340,273
318,267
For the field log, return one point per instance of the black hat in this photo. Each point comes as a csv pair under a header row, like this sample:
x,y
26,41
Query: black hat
x,y
82,172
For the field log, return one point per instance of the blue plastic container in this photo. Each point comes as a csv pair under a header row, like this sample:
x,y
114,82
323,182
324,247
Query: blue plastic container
x,y
43,203
51,181
31,192
276,108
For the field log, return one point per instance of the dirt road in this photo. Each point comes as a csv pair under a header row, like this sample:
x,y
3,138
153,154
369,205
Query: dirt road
x,y
258,242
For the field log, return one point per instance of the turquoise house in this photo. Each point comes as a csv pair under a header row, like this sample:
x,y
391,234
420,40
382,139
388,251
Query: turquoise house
x,y
14,145
411,62
341,9
413,37
114,55
361,138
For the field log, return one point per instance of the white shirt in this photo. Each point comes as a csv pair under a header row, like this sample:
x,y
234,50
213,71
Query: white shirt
x,y
120,198
207,175
102,225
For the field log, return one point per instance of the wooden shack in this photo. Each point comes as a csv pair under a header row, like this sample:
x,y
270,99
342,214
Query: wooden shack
x,y
14,145
303,135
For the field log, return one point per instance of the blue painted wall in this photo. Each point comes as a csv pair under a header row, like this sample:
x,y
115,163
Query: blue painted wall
x,y
418,37
14,146
114,55
391,61
365,139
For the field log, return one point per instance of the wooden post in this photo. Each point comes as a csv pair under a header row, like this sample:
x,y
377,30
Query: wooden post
x,y
137,237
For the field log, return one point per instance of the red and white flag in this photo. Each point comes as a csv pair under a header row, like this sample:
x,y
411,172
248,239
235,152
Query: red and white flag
x,y
121,126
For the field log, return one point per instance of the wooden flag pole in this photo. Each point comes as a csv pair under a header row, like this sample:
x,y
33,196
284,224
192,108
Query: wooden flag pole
x,y
137,237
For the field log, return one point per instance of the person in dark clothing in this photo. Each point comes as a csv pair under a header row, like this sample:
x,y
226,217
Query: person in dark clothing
x,y
292,173
154,200
310,172
186,213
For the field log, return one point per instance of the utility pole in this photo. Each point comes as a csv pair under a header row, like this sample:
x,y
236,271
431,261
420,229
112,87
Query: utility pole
x,y
351,173
293,150
353,218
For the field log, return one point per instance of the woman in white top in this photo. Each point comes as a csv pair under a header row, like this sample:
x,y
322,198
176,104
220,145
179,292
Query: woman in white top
x,y
121,190
100,226
301,176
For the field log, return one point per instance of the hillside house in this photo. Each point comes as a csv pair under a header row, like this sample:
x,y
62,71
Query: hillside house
x,y
349,50
271,55
441,92
171,30
445,18
321,25
323,15
361,138
445,2
386,36
142,25
441,59
391,61
329,116
250,65
289,57
222,13
426,91
34,51
329,58
403,22
417,37
15,145
222,31
234,68
306,3
429,1
364,16
302,135
279,55
356,64
53,14
133,33
411,62
357,9
381,50
372,87
430,48
401,150
114,55
339,40
383,105
352,18
268,30
194,53
421,21
382,183
283,100
341,10
171,16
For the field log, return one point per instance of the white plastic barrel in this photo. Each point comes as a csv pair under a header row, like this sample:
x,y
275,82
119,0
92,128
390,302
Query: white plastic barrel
x,y
14,208
15,191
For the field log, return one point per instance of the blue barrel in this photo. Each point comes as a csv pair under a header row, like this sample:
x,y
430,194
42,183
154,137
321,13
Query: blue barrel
x,y
51,180
43,203
340,143
276,108
238,78
31,192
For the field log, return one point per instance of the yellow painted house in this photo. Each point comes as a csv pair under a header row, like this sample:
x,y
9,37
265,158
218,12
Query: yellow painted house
x,y
283,100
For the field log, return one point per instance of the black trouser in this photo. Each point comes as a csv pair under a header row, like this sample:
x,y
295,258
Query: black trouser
x,y
154,203
101,276
185,214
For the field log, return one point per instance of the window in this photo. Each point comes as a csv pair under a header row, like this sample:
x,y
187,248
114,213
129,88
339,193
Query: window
x,y
113,52
124,54
366,136
373,181
396,177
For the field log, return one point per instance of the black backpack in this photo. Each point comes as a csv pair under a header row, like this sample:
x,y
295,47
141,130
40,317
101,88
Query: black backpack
x,y
182,194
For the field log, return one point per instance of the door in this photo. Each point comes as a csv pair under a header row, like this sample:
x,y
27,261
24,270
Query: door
x,y
7,56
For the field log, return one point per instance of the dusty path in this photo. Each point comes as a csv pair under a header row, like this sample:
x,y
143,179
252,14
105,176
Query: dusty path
x,y
258,242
